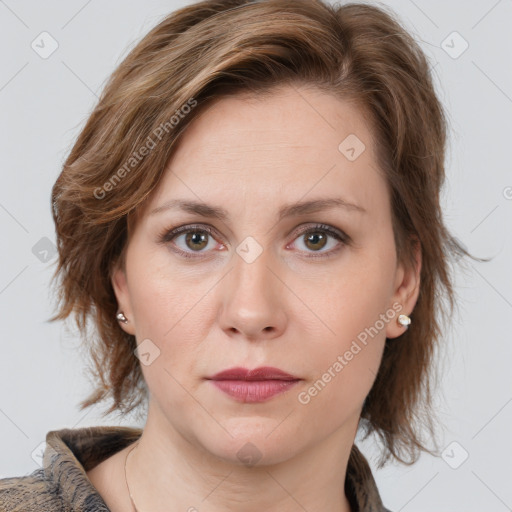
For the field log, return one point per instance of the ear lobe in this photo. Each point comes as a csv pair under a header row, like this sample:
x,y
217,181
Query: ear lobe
x,y
407,290
120,286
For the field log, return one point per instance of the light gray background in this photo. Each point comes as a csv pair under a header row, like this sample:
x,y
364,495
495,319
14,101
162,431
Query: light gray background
x,y
43,105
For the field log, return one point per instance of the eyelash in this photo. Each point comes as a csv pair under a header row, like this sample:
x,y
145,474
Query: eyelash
x,y
170,234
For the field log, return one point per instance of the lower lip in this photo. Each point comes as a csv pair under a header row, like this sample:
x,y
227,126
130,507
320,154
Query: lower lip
x,y
253,391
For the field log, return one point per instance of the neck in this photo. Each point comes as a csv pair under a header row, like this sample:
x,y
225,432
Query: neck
x,y
169,472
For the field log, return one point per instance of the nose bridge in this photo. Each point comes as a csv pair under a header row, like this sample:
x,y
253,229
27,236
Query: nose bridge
x,y
251,302
251,274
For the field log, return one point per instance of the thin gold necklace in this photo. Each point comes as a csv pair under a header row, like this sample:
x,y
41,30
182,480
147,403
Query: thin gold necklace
x,y
126,478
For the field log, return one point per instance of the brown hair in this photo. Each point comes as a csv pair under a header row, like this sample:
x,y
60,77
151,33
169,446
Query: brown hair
x,y
219,47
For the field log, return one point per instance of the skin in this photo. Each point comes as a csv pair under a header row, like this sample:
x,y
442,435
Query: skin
x,y
286,309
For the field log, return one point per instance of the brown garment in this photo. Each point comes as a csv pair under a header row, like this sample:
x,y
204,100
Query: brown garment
x,y
61,485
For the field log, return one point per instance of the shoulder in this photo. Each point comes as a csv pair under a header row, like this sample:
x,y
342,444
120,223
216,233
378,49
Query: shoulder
x,y
62,483
29,493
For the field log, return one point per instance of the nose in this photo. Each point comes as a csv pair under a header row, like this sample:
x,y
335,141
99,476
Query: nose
x,y
253,299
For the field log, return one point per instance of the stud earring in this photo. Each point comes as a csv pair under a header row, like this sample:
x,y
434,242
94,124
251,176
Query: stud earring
x,y
120,316
404,320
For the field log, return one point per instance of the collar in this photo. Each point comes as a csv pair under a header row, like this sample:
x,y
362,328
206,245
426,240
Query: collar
x,y
69,453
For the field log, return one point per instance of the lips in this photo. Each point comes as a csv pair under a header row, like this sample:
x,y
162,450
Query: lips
x,y
258,374
253,386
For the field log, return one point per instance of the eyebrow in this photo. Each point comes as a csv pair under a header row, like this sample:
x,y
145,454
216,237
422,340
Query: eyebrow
x,y
290,210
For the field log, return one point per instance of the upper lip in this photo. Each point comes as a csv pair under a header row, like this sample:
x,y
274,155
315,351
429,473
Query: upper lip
x,y
261,373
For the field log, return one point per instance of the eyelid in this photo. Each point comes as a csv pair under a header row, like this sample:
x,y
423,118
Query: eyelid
x,y
169,234
323,227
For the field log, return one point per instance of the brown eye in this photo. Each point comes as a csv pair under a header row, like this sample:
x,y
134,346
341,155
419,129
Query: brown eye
x,y
189,241
195,241
315,239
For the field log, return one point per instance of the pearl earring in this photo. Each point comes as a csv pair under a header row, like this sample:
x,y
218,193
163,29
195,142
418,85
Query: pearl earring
x,y
120,316
404,320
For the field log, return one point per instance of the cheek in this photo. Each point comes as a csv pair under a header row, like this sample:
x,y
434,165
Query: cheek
x,y
343,372
172,308
356,302
161,296
356,308
157,304
166,313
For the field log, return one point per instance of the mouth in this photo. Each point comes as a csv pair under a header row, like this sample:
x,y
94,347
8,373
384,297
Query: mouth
x,y
252,386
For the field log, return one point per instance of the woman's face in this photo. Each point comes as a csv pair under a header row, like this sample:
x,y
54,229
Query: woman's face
x,y
312,291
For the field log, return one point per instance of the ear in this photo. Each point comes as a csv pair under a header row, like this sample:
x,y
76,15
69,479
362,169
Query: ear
x,y
406,291
120,286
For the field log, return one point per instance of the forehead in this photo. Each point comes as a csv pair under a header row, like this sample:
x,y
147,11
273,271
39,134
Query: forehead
x,y
278,148
289,123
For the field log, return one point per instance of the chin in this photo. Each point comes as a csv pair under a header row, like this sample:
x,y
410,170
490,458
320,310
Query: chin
x,y
253,442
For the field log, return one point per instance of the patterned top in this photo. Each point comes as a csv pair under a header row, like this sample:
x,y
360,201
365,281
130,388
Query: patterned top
x,y
61,484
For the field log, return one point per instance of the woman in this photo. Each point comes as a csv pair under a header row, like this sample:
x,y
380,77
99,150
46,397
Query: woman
x,y
250,219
